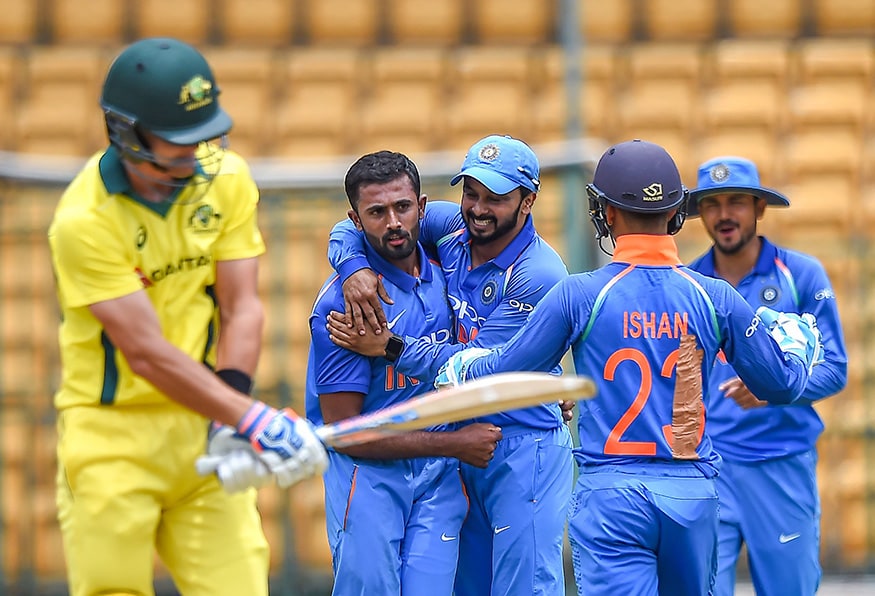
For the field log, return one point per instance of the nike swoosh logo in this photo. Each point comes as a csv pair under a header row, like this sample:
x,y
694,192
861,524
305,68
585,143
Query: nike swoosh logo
x,y
501,529
445,538
785,538
391,323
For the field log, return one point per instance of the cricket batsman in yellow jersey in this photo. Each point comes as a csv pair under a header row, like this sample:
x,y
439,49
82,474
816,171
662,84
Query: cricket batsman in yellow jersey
x,y
155,246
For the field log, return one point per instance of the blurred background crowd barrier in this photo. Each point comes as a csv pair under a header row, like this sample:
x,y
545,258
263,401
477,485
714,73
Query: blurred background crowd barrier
x,y
312,84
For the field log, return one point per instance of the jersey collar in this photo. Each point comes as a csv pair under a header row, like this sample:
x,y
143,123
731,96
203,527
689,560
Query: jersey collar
x,y
116,181
509,255
395,275
646,249
763,266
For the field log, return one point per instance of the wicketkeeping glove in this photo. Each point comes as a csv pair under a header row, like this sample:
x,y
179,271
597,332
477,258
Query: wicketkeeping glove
x,y
454,371
230,457
286,443
795,334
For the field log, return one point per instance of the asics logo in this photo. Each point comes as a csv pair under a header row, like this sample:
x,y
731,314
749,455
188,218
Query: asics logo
x,y
501,529
445,538
391,323
785,538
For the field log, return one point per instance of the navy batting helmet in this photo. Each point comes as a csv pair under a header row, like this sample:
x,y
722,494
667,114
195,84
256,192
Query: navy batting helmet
x,y
637,176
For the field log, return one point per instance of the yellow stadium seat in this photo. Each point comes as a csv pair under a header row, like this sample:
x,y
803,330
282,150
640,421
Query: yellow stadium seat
x,y
744,100
823,59
597,93
19,22
340,22
844,17
662,87
511,21
10,79
489,92
256,22
822,152
606,22
189,21
744,103
749,18
60,113
403,110
832,84
840,103
426,21
317,111
102,22
767,60
680,20
247,80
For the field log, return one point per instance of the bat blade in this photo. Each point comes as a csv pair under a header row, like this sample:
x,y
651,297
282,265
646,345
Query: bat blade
x,y
481,397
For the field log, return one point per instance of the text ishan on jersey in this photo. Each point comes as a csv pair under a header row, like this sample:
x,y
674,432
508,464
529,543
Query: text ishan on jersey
x,y
654,325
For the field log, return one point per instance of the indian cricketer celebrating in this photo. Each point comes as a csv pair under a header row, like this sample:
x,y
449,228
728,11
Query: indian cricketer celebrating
x,y
769,452
394,507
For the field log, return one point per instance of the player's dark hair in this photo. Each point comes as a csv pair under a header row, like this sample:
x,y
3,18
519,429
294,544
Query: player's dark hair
x,y
379,168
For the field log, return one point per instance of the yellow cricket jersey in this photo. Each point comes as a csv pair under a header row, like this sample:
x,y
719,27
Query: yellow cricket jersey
x,y
107,243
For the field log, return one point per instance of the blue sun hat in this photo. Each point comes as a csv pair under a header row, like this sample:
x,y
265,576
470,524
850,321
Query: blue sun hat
x,y
502,164
729,174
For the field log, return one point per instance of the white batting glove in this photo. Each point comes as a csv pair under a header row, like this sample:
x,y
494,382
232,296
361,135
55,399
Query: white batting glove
x,y
454,371
230,457
795,334
284,442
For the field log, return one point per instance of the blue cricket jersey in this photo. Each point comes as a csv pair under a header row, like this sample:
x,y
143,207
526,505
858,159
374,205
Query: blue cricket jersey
x,y
490,302
786,281
624,323
420,310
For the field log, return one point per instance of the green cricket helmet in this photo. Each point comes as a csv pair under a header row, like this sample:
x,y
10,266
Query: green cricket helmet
x,y
165,86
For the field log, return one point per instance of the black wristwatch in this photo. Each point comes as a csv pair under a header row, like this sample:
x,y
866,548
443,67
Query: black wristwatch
x,y
394,347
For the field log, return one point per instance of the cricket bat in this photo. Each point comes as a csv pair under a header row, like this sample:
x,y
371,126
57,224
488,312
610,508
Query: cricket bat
x,y
480,397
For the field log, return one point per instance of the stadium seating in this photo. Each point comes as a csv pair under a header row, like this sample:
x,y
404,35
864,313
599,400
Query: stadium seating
x,y
59,112
517,22
256,22
103,22
489,91
843,17
679,20
426,22
10,72
19,22
606,22
316,110
339,22
750,18
246,78
191,21
402,108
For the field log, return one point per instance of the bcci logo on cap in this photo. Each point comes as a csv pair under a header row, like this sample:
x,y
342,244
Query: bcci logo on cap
x,y
719,173
652,193
489,152
196,93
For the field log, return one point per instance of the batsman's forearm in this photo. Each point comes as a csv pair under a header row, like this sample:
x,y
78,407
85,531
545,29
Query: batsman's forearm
x,y
189,383
240,333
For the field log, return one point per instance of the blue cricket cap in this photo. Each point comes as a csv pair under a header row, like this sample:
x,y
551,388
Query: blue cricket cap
x,y
730,174
501,163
